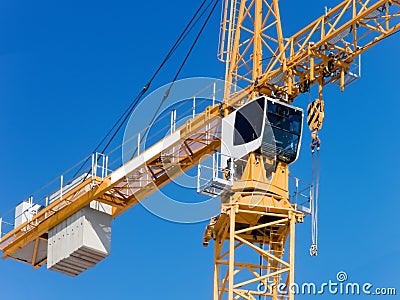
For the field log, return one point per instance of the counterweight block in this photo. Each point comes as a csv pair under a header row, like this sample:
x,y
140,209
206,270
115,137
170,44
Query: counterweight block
x,y
80,242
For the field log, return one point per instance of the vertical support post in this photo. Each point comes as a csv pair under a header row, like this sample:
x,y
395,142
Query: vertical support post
x,y
208,126
231,267
214,93
198,177
194,108
354,29
215,172
257,55
279,28
216,274
93,166
61,186
106,166
138,143
35,250
342,79
292,220
102,165
290,82
173,128
230,48
96,164
235,25
312,62
173,121
274,267
386,17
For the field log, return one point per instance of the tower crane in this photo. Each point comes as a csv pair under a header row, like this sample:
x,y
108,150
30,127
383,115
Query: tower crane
x,y
254,234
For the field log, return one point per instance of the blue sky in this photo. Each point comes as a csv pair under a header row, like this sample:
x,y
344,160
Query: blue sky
x,y
68,69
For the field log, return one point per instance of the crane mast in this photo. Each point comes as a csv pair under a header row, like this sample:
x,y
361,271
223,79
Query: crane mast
x,y
254,234
257,218
258,213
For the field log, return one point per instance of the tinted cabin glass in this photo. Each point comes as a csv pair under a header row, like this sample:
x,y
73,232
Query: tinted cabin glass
x,y
249,122
286,125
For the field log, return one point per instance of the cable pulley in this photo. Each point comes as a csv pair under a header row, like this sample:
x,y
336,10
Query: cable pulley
x,y
315,118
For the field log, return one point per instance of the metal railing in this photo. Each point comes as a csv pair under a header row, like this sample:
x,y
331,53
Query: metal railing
x,y
301,194
213,180
99,165
95,167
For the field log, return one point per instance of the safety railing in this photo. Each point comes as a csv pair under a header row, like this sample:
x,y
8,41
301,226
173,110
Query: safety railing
x,y
92,167
98,165
301,194
213,180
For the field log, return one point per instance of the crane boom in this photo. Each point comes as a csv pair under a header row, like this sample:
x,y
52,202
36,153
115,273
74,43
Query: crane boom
x,y
259,220
126,186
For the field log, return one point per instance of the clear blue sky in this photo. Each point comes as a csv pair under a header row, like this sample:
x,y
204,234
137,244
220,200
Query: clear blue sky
x,y
67,71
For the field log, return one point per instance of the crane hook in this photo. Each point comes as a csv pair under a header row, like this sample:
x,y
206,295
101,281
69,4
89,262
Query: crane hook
x,y
314,250
315,117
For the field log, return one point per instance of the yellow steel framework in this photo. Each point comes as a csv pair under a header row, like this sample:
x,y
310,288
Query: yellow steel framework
x,y
258,216
250,235
249,33
259,58
126,186
320,53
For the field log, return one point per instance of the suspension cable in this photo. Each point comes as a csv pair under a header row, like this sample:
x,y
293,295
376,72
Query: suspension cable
x,y
165,97
315,170
123,118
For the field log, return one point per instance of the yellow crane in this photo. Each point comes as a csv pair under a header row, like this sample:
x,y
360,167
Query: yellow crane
x,y
257,215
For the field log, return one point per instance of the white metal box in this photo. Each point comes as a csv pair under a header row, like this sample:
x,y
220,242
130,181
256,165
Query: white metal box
x,y
24,212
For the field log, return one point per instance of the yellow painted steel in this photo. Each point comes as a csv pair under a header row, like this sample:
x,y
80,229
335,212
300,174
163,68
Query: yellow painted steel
x,y
315,118
306,57
250,236
198,137
259,215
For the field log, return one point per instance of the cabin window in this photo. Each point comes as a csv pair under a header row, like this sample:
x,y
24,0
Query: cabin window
x,y
286,125
249,122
